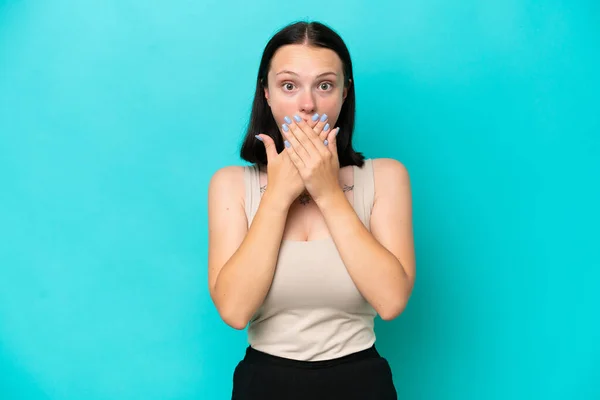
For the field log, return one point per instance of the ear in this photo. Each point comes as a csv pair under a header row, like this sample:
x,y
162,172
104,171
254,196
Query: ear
x,y
267,96
346,90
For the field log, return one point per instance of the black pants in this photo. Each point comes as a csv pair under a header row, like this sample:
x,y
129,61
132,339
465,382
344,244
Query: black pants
x,y
360,376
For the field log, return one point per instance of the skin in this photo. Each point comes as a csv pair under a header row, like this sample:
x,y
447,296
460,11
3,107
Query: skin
x,y
305,81
306,88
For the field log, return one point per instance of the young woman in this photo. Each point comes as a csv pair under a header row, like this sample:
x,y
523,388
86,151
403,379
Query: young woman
x,y
311,241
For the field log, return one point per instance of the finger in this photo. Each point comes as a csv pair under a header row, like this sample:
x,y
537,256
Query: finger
x,y
324,133
331,141
270,148
305,135
315,146
314,120
297,138
321,130
320,125
322,122
303,125
291,152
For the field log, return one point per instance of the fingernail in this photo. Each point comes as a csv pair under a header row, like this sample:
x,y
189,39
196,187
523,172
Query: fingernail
x,y
315,117
326,127
338,131
326,142
258,137
297,118
288,120
323,117
285,127
287,144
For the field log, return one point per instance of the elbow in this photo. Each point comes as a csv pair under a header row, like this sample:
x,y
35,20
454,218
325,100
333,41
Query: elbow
x,y
236,324
234,320
391,313
229,313
392,309
396,306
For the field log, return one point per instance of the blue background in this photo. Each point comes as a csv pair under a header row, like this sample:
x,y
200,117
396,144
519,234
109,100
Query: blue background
x,y
115,114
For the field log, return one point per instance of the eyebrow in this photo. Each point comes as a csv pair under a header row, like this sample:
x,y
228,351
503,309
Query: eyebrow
x,y
293,73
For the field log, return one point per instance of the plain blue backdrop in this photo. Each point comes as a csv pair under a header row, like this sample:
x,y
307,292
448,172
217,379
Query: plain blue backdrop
x,y
115,114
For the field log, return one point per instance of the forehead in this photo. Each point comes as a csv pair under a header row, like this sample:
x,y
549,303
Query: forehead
x,y
305,59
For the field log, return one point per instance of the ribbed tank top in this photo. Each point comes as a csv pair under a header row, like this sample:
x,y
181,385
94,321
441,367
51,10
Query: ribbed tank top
x,y
313,310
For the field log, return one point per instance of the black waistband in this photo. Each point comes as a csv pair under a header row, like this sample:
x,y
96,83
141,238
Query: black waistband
x,y
254,356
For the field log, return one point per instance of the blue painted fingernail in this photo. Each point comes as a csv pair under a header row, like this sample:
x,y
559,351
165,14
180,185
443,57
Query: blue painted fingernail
x,y
326,142
288,120
285,127
287,144
258,137
326,128
338,131
315,117
297,118
323,117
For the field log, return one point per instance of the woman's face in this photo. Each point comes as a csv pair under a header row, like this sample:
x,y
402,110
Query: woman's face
x,y
305,80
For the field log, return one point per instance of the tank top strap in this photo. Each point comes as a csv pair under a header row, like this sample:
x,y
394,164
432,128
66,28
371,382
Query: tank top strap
x,y
252,185
364,191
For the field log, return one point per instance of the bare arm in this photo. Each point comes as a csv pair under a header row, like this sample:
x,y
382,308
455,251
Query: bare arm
x,y
381,262
241,261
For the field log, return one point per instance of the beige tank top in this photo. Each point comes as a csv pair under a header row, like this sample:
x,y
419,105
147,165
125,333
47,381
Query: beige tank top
x,y
313,310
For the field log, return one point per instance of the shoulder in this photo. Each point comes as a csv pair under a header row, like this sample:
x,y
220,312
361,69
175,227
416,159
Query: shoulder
x,y
227,173
389,170
391,177
227,182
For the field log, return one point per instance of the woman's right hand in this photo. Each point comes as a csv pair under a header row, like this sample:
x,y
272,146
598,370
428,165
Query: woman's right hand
x,y
284,183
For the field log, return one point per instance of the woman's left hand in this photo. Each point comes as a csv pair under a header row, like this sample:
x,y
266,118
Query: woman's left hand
x,y
315,157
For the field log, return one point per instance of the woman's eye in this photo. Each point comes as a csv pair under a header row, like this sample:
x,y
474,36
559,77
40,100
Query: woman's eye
x,y
288,86
325,86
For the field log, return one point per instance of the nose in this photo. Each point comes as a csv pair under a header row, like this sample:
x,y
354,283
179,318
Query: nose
x,y
307,103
